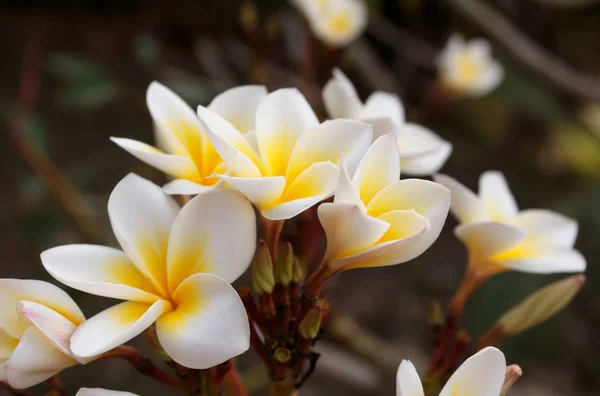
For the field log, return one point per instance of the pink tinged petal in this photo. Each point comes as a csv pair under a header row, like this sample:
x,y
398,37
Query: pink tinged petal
x,y
14,290
379,168
545,226
383,105
408,382
345,191
312,186
186,187
34,360
280,120
330,141
55,327
238,105
340,97
406,225
209,325
542,259
115,326
232,146
496,196
430,200
98,270
426,164
482,374
466,206
348,229
214,233
101,392
261,191
171,164
141,215
489,238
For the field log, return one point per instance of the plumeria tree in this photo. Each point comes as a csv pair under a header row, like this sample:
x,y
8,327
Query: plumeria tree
x,y
243,171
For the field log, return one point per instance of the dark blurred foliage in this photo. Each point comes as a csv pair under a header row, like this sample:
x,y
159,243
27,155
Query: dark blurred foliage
x,y
99,56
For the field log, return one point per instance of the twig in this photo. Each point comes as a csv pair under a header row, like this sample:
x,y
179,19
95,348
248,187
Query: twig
x,y
13,391
45,170
526,51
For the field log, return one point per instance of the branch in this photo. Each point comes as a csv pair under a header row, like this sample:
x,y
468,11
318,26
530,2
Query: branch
x,y
566,3
525,50
45,170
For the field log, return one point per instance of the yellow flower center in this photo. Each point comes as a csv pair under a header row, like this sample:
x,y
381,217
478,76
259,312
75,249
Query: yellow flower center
x,y
468,70
340,23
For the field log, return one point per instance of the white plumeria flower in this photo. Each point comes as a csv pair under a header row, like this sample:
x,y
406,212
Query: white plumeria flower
x,y
422,152
480,375
336,22
102,392
175,270
499,237
468,68
295,166
376,219
188,155
36,322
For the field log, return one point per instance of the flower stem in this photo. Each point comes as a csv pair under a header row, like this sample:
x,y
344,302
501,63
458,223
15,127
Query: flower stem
x,y
233,382
272,231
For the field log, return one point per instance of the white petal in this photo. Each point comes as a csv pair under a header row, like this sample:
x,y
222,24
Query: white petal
x,y
428,199
348,229
340,97
115,326
34,360
185,187
488,238
383,105
214,233
238,105
328,142
261,191
384,126
342,22
231,145
496,196
280,120
345,191
312,186
7,346
466,206
209,325
408,382
415,139
426,164
482,374
101,392
171,164
141,215
379,168
545,226
98,270
57,329
490,80
14,290
542,259
402,242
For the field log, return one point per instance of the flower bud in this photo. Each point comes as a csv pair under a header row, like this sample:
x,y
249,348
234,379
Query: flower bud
x,y
263,280
299,272
310,325
513,373
541,305
284,267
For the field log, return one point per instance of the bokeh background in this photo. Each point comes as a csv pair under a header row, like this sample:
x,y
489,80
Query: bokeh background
x,y
87,65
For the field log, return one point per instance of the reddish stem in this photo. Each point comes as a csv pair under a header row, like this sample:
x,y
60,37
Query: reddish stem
x,y
234,383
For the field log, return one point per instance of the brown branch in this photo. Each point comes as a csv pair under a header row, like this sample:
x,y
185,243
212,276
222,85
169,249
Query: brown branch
x,y
526,51
45,170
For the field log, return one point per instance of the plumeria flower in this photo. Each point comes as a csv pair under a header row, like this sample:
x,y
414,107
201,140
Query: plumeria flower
x,y
175,270
36,322
101,392
336,22
295,164
480,375
376,219
500,238
467,68
422,152
187,154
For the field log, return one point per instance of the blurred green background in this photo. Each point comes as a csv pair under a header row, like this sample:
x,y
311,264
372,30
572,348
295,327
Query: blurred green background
x,y
95,59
